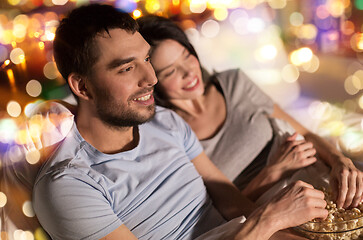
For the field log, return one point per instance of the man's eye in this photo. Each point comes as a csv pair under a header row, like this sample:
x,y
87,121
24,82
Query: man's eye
x,y
148,59
126,69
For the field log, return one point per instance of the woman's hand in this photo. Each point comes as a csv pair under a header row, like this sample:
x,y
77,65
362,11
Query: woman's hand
x,y
347,183
292,155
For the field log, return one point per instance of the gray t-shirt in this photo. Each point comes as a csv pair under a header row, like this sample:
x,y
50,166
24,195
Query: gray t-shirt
x,y
153,189
246,131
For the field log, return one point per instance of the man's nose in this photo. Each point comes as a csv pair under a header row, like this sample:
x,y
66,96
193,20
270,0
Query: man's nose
x,y
148,76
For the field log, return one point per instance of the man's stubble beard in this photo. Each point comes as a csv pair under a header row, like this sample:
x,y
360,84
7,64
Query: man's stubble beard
x,y
120,115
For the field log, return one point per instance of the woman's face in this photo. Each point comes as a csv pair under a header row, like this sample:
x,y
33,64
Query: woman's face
x,y
177,70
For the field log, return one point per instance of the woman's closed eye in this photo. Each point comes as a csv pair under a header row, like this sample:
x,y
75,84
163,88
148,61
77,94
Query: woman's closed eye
x,y
169,73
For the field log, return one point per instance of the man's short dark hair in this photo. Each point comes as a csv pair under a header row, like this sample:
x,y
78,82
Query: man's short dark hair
x,y
74,45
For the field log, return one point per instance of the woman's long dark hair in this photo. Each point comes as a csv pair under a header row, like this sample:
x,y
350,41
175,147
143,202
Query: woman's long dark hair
x,y
156,29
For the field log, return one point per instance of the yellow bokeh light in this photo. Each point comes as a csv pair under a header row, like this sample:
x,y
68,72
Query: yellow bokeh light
x,y
267,52
152,6
32,156
307,31
33,88
13,108
50,70
360,103
41,45
59,2
17,55
336,8
7,62
290,73
3,199
277,4
198,6
311,66
220,13
14,2
23,235
22,137
136,13
350,85
301,55
28,209
39,234
296,19
7,37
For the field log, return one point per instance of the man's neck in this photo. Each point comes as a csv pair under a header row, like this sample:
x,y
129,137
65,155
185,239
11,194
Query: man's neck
x,y
105,138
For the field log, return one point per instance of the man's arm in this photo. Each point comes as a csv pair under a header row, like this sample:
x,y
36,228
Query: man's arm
x,y
122,232
225,196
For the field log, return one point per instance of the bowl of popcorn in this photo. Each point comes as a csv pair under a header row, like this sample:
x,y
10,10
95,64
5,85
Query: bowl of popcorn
x,y
342,224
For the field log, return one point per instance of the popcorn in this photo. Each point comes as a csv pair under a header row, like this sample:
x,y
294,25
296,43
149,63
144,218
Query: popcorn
x,y
341,224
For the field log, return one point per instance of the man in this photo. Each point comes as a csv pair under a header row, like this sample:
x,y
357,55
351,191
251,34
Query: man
x,y
128,169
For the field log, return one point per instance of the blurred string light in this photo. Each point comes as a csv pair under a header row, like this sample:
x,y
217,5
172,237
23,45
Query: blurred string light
x,y
8,129
33,88
3,199
301,56
13,108
23,235
28,209
50,70
210,28
296,19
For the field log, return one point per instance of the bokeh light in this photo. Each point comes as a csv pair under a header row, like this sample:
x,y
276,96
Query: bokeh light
x,y
296,19
13,108
33,88
28,209
255,25
277,4
350,85
3,199
198,6
290,73
17,55
301,55
23,235
59,2
220,14
210,28
50,70
136,13
8,129
360,102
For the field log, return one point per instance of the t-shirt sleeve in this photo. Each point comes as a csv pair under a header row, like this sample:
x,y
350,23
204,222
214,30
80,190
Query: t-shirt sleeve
x,y
240,87
191,143
71,208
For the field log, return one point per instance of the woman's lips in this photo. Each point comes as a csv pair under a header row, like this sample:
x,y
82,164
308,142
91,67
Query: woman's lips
x,y
192,85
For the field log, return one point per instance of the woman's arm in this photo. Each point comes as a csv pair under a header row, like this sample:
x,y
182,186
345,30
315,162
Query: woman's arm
x,y
346,179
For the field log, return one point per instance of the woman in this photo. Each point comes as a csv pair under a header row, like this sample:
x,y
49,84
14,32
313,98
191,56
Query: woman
x,y
231,117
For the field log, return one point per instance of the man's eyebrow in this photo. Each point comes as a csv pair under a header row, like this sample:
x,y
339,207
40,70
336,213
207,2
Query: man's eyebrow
x,y
118,62
169,64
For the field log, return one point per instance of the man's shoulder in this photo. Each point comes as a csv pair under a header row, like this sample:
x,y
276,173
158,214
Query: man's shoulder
x,y
166,119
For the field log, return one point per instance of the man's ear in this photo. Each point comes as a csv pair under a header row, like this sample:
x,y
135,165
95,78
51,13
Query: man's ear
x,y
77,83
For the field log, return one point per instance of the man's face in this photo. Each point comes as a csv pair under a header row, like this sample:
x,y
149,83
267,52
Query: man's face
x,y
122,80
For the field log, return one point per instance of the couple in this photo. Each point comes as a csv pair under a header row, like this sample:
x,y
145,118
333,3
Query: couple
x,y
128,169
